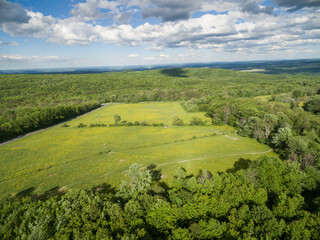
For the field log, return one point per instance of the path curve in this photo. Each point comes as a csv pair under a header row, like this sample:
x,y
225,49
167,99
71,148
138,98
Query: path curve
x,y
217,155
43,129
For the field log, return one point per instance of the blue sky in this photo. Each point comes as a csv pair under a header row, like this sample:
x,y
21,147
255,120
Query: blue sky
x,y
71,33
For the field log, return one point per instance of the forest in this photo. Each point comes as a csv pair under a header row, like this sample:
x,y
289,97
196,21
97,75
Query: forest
x,y
270,198
30,102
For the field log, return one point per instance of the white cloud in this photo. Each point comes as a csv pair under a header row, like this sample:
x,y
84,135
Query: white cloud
x,y
134,55
20,58
70,32
12,43
157,58
37,26
242,26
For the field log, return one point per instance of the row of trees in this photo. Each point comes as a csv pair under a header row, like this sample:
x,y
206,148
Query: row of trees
x,y
270,199
15,123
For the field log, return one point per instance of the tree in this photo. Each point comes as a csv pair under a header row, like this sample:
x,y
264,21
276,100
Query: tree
x,y
281,138
196,121
313,105
176,121
117,118
140,181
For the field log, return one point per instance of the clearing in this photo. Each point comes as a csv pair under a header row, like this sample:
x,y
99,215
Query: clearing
x,y
73,157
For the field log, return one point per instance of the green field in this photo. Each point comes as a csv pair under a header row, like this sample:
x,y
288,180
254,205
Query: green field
x,y
73,157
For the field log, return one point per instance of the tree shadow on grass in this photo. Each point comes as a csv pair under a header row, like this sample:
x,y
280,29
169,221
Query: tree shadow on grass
x,y
29,192
240,164
25,193
174,72
58,191
155,173
104,188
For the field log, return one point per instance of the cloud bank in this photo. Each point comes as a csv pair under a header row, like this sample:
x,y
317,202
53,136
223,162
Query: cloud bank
x,y
225,26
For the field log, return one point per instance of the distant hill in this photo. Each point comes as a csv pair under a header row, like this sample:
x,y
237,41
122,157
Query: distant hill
x,y
301,67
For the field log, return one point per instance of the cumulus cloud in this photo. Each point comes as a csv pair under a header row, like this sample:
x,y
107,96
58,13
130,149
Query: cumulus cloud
x,y
238,25
252,7
169,10
70,32
12,12
38,25
295,5
101,9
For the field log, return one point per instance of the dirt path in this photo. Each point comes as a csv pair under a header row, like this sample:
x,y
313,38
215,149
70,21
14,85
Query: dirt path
x,y
217,155
43,129
225,135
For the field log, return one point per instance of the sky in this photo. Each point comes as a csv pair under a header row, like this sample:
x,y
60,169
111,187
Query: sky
x,y
88,33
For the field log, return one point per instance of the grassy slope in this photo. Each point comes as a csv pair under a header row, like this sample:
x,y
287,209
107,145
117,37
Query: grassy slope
x,y
78,157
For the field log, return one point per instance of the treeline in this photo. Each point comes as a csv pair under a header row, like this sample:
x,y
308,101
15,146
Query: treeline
x,y
269,199
16,122
21,92
48,90
279,122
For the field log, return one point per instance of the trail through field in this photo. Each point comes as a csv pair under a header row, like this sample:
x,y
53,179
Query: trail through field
x,y
216,155
225,135
189,160
43,129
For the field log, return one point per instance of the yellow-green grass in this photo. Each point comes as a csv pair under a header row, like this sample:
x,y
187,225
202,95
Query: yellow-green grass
x,y
80,157
153,112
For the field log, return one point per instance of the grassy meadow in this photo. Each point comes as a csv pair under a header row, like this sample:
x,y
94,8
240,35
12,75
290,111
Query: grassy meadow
x,y
73,157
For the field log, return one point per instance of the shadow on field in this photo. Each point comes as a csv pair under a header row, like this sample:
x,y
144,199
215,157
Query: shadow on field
x,y
240,164
25,193
174,72
156,174
29,192
104,188
59,191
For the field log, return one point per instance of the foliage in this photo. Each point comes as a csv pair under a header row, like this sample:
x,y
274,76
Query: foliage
x,y
196,121
14,123
313,105
117,118
81,125
265,201
176,121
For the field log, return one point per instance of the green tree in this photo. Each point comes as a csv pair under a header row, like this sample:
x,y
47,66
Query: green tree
x,y
117,118
196,121
176,121
140,181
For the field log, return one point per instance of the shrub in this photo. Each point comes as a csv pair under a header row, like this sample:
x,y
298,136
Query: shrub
x,y
196,121
136,123
176,121
81,125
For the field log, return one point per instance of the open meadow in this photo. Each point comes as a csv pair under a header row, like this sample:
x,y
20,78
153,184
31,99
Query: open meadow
x,y
73,157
